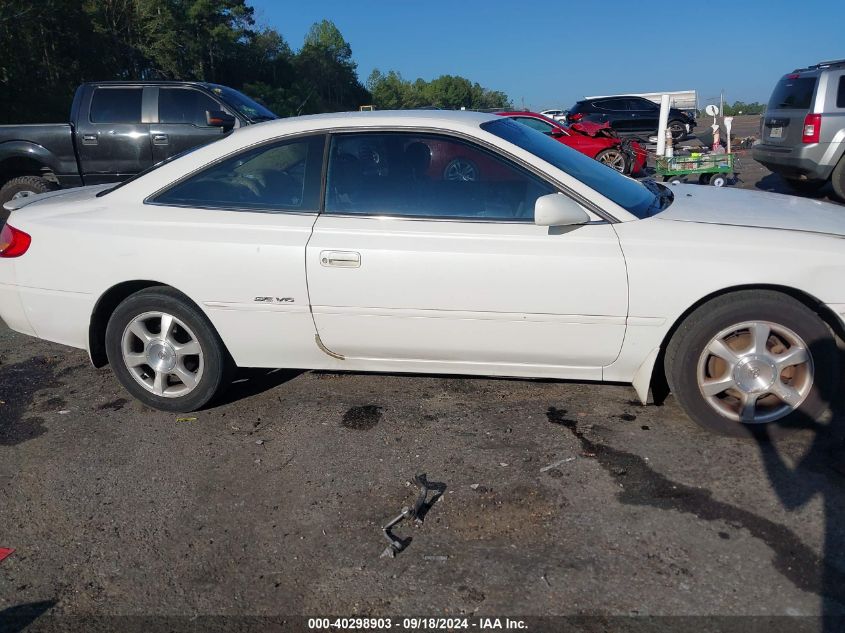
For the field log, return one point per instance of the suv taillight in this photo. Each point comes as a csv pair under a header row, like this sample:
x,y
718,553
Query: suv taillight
x,y
812,128
13,242
572,118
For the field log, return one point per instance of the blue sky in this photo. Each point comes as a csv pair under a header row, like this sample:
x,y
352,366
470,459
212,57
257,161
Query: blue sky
x,y
552,52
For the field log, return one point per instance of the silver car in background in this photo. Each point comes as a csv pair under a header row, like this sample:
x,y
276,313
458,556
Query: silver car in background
x,y
803,131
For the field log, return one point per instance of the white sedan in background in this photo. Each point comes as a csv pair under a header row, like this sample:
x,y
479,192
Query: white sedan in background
x,y
557,115
433,242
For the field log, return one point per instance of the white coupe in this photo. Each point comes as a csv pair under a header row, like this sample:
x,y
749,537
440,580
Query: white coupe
x,y
433,242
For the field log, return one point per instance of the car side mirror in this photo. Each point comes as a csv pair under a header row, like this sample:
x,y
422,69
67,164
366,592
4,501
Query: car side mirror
x,y
556,209
556,133
219,118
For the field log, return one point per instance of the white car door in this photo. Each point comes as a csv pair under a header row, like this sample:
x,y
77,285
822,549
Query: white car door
x,y
427,251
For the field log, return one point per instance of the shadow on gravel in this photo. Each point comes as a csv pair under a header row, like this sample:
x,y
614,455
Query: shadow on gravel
x,y
251,382
16,619
775,184
18,385
792,558
819,472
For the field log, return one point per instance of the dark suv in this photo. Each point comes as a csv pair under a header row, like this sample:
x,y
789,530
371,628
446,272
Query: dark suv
x,y
630,116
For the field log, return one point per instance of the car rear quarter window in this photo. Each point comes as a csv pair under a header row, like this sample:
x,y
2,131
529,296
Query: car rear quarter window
x,y
116,105
184,105
612,104
793,93
537,124
840,93
640,105
273,178
427,176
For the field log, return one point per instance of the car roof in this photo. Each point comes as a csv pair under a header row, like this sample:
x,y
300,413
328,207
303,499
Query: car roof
x,y
447,119
533,115
832,64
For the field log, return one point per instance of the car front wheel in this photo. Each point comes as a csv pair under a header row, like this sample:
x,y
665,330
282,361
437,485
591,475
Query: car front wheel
x,y
747,359
164,351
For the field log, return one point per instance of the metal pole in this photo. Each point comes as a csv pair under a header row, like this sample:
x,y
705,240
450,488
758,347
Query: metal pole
x,y
661,128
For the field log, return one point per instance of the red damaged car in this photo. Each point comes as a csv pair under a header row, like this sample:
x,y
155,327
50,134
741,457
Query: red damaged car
x,y
597,141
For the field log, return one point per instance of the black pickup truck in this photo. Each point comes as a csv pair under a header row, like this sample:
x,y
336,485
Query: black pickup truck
x,y
118,129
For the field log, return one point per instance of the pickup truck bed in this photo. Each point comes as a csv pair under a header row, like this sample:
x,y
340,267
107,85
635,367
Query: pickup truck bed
x,y
48,144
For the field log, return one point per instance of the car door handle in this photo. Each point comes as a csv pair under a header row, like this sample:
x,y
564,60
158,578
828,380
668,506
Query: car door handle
x,y
89,139
160,139
340,259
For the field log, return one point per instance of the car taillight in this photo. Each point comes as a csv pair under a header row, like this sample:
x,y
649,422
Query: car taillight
x,y
812,128
575,117
13,242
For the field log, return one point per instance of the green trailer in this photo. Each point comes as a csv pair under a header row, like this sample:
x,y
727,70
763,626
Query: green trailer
x,y
714,169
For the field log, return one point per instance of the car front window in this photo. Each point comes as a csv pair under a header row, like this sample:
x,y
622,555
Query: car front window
x,y
629,194
427,176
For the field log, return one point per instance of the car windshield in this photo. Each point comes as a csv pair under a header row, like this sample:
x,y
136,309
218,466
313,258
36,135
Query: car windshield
x,y
252,110
636,198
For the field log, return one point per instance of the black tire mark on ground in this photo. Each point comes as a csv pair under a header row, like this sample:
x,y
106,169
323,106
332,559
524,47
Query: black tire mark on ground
x,y
646,487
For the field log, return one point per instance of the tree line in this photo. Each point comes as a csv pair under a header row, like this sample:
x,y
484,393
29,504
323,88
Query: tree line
x,y
49,47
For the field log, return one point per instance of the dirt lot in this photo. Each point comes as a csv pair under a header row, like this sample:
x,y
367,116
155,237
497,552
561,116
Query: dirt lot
x,y
270,504
561,499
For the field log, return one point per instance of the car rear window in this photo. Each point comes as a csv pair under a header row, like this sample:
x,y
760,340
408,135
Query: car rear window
x,y
793,94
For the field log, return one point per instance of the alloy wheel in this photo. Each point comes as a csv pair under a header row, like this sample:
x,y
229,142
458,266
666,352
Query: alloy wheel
x,y
162,354
460,170
614,159
755,372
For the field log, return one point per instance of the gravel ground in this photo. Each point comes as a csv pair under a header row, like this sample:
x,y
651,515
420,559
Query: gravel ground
x,y
561,499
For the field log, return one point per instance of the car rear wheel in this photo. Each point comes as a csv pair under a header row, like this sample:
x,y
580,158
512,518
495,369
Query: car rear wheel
x,y
837,179
750,358
164,351
613,158
678,130
25,186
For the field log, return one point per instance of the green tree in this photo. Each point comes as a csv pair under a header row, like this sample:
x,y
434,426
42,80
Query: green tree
x,y
451,92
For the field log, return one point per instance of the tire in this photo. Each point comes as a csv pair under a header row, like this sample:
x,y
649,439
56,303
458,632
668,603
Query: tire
x,y
23,186
159,383
731,319
614,158
674,180
805,186
720,180
461,170
678,129
704,179
837,179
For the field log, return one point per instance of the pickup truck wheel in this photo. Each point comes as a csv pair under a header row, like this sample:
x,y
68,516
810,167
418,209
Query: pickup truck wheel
x,y
165,351
747,359
24,186
837,179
